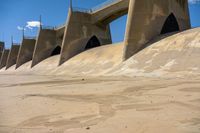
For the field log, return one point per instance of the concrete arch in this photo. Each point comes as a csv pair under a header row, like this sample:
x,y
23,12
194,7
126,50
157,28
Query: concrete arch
x,y
56,51
170,25
92,43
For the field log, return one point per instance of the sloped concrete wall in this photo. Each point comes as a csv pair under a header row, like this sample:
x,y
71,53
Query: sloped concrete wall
x,y
78,32
12,57
146,19
26,51
4,58
45,44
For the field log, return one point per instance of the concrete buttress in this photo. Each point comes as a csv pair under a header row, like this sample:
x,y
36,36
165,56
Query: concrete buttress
x,y
4,58
79,31
45,44
12,57
150,18
25,52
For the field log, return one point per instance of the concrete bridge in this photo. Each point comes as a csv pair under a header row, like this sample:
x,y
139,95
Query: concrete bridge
x,y
86,29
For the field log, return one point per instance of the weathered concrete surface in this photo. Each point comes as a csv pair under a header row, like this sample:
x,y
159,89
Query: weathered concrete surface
x,y
26,51
79,30
12,57
60,35
45,44
4,58
95,61
108,13
146,19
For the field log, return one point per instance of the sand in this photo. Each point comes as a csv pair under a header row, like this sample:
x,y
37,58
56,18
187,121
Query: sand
x,y
50,104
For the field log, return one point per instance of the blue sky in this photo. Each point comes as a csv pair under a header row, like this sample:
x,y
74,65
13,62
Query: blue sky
x,y
15,14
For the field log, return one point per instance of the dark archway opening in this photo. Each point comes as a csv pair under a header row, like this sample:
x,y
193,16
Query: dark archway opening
x,y
92,43
170,25
56,51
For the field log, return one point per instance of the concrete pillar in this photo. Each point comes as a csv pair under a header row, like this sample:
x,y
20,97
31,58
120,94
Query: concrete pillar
x,y
79,30
4,58
12,57
1,48
25,52
45,44
146,19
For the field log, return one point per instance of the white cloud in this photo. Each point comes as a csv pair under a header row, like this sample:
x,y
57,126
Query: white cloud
x,y
193,1
19,28
33,24
30,25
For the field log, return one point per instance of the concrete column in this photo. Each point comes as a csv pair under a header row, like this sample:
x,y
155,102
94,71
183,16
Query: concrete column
x,y
12,57
4,58
1,46
79,30
25,52
45,44
146,19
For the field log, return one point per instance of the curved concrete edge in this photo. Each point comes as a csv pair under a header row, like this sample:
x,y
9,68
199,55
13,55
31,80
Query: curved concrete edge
x,y
95,61
25,52
79,29
4,58
45,44
12,57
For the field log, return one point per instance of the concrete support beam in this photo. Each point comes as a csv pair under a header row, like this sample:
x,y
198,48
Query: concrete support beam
x,y
111,12
146,19
79,30
12,57
45,44
25,52
4,58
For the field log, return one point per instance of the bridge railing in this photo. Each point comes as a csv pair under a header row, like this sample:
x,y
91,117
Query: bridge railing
x,y
29,37
106,3
16,43
60,26
85,10
48,27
